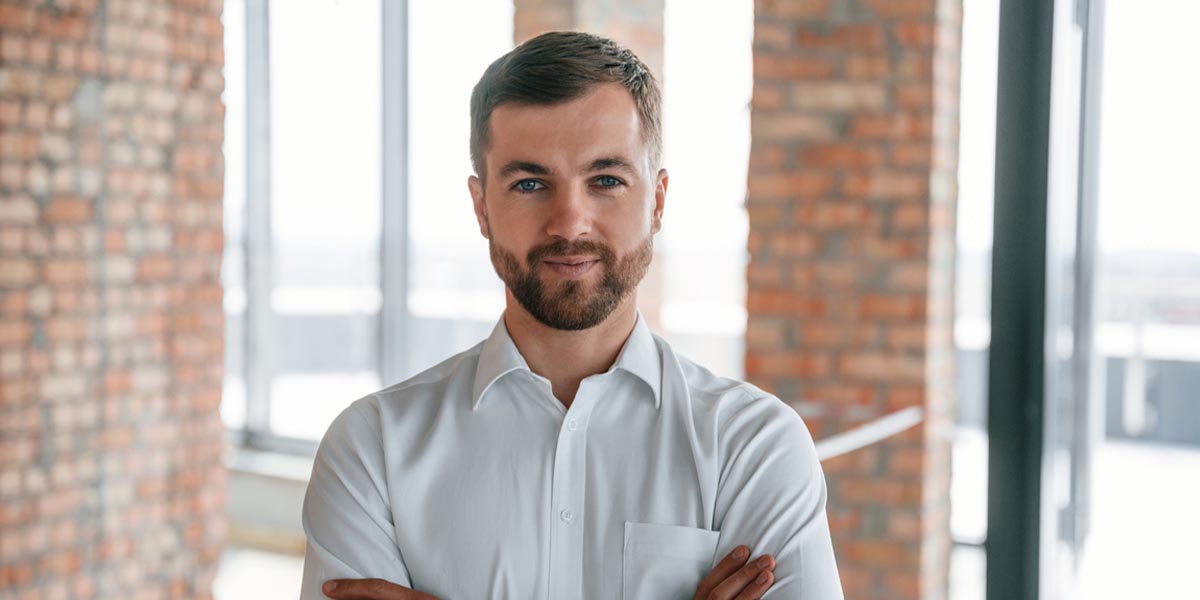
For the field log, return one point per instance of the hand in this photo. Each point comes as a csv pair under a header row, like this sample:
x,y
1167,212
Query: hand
x,y
371,589
730,580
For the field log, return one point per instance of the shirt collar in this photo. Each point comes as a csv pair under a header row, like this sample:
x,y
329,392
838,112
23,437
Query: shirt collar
x,y
499,356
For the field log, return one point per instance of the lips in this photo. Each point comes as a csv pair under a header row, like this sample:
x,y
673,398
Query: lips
x,y
571,261
571,266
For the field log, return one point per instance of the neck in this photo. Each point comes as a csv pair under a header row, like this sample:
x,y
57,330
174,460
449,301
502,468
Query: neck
x,y
567,357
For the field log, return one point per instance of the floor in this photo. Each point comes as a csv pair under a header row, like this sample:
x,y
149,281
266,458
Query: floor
x,y
248,574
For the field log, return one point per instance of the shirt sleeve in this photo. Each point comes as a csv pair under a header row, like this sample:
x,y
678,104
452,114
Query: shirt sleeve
x,y
346,515
771,497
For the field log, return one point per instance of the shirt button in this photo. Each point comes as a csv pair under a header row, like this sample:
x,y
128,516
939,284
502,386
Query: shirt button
x,y
566,515
572,424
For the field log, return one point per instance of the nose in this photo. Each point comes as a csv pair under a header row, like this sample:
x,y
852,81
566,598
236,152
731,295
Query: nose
x,y
570,213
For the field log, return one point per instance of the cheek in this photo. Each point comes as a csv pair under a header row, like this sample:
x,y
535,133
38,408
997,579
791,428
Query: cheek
x,y
640,222
515,219
513,241
502,226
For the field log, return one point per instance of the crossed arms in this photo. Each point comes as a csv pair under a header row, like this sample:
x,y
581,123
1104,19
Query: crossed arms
x,y
771,498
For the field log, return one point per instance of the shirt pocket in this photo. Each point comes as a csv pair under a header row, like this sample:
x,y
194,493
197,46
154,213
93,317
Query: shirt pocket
x,y
665,561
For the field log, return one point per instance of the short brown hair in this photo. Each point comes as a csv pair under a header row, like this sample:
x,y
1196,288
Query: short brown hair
x,y
560,66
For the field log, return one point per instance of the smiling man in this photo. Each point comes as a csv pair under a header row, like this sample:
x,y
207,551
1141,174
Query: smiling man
x,y
573,453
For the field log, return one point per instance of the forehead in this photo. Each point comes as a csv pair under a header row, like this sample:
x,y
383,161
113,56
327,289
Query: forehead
x,y
566,135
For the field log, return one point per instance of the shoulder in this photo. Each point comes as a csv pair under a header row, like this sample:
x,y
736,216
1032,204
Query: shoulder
x,y
743,414
432,384
366,417
727,396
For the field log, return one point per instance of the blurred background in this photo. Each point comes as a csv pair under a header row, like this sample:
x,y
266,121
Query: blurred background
x,y
224,221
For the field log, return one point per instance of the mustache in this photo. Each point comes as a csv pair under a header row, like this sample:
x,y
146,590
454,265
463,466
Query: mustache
x,y
563,247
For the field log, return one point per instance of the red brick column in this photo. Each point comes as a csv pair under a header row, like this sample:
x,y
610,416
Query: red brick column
x,y
636,24
851,200
111,327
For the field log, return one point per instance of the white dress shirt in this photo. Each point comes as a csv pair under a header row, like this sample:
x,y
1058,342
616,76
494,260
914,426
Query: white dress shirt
x,y
471,480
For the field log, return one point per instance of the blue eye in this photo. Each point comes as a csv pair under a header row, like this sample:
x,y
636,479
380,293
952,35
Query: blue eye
x,y
609,181
527,186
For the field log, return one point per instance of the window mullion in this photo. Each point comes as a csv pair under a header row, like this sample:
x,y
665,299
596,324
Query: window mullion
x,y
259,319
394,237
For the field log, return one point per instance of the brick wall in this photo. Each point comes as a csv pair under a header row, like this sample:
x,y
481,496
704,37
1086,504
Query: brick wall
x,y
850,284
111,478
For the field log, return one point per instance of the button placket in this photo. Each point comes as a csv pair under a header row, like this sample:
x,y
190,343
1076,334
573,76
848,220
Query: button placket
x,y
567,498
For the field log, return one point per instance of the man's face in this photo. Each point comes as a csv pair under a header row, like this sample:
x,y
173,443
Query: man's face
x,y
570,183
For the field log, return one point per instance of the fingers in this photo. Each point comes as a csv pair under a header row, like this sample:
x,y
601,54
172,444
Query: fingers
x,y
370,589
744,583
759,586
726,567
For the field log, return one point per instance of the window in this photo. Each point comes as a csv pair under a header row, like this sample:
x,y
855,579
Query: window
x,y
702,246
972,322
233,262
305,219
454,296
302,258
325,178
1143,455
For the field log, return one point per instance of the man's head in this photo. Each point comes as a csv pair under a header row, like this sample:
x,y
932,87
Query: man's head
x,y
556,67
566,141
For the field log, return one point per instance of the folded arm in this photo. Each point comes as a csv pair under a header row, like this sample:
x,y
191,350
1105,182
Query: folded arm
x,y
346,516
771,497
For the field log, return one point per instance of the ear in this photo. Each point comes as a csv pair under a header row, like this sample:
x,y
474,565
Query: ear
x,y
660,199
476,186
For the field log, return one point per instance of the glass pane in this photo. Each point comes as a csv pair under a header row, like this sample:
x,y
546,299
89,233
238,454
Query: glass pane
x,y
233,273
1146,465
454,296
703,240
972,323
325,209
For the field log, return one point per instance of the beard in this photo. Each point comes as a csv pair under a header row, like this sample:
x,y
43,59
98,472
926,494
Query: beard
x,y
572,304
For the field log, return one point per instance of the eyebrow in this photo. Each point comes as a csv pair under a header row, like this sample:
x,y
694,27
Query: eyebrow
x,y
600,164
521,165
611,162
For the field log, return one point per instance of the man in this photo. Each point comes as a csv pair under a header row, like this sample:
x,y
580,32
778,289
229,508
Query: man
x,y
572,454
